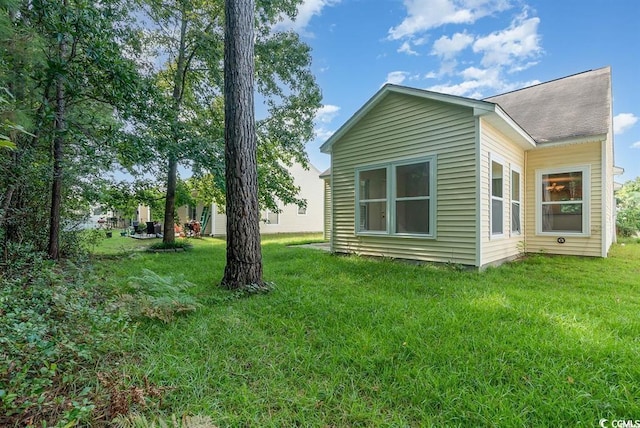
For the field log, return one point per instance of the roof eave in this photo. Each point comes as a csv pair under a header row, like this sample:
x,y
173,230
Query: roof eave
x,y
506,124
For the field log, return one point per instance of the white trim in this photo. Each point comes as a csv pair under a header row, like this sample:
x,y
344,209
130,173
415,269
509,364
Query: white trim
x,y
512,124
517,170
478,143
586,197
569,141
500,161
606,225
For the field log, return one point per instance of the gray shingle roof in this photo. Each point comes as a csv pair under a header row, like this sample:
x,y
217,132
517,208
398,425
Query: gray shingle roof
x,y
573,106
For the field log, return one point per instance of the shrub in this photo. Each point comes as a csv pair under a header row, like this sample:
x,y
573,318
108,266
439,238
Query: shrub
x,y
178,243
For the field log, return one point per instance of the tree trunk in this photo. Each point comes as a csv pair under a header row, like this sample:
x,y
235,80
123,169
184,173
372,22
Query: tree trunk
x,y
244,256
58,154
169,236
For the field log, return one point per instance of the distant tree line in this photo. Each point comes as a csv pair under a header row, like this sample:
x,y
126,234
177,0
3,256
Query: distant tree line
x,y
88,88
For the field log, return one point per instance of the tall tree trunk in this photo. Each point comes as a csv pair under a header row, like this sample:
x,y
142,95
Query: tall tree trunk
x,y
170,202
58,154
172,173
244,256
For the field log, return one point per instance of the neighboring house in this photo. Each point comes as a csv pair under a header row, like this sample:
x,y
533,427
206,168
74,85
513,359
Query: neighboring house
x,y
290,219
428,176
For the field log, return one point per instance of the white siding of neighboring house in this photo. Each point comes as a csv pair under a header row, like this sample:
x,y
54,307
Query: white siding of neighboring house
x,y
289,221
402,127
494,145
556,156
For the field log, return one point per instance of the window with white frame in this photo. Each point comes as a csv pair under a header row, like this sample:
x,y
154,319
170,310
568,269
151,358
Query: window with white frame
x,y
396,198
273,218
516,226
497,198
562,196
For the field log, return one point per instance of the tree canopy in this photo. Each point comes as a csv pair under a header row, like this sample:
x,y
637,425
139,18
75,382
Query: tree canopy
x,y
628,201
85,85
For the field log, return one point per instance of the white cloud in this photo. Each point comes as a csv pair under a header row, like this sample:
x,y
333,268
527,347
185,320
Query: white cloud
x,y
326,113
623,121
423,15
396,77
406,48
479,82
636,145
306,10
513,46
322,133
449,47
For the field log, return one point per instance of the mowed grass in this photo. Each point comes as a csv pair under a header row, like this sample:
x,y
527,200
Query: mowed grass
x,y
352,341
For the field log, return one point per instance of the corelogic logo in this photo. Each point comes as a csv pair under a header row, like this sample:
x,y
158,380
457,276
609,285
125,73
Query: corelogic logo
x,y
620,423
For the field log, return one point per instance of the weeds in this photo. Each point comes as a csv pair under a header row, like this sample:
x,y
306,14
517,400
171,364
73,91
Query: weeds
x,y
153,296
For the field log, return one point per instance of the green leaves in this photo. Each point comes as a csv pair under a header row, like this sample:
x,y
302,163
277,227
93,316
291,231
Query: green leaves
x,y
628,201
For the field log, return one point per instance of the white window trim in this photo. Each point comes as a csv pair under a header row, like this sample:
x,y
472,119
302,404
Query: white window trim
x,y
499,160
391,198
517,170
586,197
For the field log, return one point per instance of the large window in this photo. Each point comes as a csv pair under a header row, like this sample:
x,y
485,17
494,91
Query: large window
x,y
516,227
373,200
497,198
396,198
412,198
563,197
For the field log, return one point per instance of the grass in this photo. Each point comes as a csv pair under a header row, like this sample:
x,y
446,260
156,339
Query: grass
x,y
351,341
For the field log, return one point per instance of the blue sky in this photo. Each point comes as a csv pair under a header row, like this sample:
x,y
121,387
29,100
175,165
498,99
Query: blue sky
x,y
473,48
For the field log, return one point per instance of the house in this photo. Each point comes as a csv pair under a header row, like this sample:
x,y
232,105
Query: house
x,y
428,176
290,219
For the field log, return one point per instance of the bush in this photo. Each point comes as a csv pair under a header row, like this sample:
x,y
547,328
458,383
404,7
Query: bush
x,y
54,326
178,243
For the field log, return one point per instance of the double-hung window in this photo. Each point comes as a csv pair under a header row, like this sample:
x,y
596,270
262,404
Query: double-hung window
x,y
497,198
372,202
562,197
396,198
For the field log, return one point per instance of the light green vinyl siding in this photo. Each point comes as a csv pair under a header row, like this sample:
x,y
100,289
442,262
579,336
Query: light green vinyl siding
x,y
568,155
495,145
327,209
402,127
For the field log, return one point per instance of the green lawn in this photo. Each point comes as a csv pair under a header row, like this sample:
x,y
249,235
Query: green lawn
x,y
351,341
